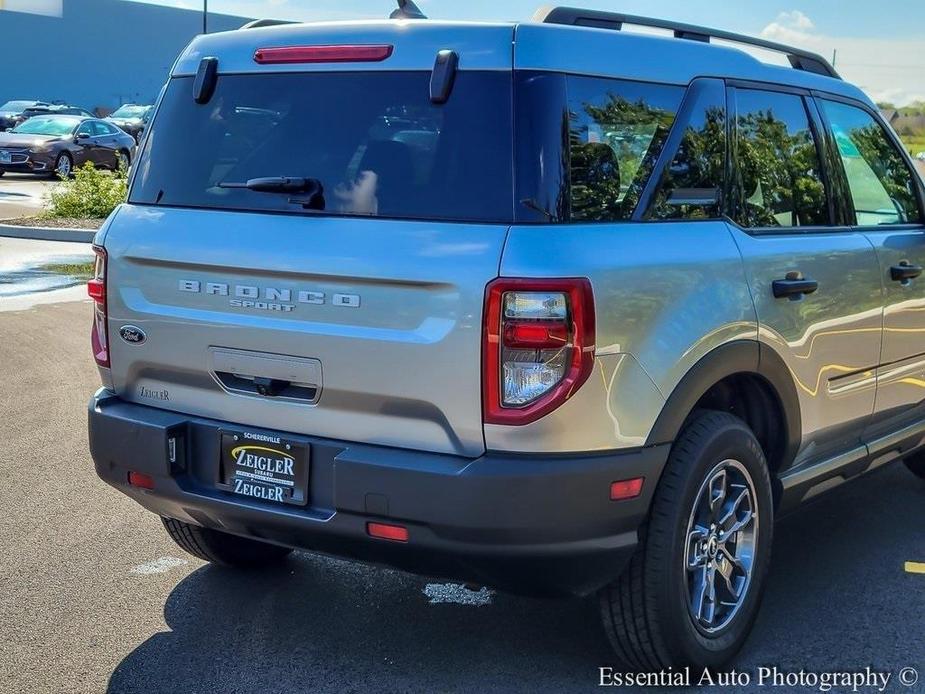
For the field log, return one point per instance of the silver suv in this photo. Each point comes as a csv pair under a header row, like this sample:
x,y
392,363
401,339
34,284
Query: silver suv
x,y
581,317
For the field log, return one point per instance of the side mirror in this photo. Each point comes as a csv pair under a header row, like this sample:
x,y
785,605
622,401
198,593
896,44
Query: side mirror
x,y
83,136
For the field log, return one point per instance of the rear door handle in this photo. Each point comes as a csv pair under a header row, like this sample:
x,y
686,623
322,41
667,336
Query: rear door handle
x,y
904,271
793,287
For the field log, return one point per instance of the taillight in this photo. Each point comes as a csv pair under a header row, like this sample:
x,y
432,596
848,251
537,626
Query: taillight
x,y
538,348
284,55
96,288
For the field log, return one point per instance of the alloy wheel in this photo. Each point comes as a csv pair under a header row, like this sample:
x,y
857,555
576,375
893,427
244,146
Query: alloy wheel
x,y
719,553
63,167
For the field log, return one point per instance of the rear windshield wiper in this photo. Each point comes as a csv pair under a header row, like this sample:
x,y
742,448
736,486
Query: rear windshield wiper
x,y
312,187
278,184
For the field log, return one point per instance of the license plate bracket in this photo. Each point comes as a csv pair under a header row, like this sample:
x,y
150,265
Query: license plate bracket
x,y
264,467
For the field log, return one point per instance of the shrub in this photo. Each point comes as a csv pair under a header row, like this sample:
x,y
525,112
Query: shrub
x,y
90,194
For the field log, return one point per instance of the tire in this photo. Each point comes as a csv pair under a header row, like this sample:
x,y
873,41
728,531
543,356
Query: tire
x,y
63,159
649,612
223,548
2,173
916,464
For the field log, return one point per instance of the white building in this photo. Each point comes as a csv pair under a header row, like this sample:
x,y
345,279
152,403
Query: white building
x,y
93,53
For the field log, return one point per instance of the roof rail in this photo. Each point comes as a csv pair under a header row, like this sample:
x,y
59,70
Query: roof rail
x,y
257,23
799,59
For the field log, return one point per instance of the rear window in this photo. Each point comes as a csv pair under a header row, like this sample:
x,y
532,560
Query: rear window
x,y
375,142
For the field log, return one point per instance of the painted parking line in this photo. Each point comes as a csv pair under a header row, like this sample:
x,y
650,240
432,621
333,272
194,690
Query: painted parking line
x,y
914,567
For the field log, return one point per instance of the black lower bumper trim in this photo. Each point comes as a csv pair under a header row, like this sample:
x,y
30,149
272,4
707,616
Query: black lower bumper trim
x,y
523,523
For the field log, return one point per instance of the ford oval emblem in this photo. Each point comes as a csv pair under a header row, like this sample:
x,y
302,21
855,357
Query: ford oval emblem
x,y
132,334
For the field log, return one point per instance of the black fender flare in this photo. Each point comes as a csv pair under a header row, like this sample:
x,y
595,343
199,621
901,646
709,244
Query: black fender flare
x,y
737,357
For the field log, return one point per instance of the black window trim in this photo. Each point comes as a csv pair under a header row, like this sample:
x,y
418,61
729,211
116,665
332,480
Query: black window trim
x,y
735,194
840,173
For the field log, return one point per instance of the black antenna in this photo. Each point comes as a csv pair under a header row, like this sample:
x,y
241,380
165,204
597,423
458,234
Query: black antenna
x,y
407,10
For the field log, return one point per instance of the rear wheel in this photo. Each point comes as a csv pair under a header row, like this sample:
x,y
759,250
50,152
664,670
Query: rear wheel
x,y
916,464
223,548
691,593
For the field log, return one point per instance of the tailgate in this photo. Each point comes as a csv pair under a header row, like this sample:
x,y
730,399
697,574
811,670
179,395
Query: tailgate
x,y
354,329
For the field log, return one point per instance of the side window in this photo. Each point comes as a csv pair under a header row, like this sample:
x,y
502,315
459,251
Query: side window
x,y
882,186
100,128
616,131
691,186
85,127
778,163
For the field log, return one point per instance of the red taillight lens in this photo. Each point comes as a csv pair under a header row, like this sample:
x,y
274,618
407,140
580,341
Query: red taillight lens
x,y
96,288
538,348
322,54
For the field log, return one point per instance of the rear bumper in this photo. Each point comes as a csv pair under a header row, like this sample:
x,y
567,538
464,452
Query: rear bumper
x,y
525,524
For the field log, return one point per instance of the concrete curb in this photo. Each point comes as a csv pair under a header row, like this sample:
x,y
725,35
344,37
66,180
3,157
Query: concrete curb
x,y
47,233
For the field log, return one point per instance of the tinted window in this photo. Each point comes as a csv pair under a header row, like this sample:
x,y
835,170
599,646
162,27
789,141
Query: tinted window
x,y
778,163
881,183
100,128
616,131
691,186
85,128
375,142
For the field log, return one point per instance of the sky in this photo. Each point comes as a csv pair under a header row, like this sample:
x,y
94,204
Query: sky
x,y
880,45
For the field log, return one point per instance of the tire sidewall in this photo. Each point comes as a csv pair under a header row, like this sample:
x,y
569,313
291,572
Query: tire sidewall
x,y
729,439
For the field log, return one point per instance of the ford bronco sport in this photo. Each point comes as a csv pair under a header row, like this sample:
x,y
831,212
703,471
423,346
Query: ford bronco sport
x,y
553,307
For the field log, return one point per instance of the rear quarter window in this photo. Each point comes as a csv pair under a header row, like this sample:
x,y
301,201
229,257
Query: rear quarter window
x,y
616,131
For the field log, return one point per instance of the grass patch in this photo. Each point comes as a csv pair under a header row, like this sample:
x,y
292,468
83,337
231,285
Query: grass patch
x,y
80,271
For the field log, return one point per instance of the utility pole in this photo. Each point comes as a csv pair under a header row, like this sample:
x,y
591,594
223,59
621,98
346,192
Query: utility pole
x,y
205,16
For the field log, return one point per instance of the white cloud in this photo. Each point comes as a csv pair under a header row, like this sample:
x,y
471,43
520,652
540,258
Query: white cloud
x,y
888,70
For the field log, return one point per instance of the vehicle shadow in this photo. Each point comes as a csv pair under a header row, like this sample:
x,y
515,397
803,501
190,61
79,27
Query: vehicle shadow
x,y
319,624
837,597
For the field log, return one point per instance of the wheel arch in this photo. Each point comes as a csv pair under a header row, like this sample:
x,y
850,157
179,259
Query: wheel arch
x,y
751,374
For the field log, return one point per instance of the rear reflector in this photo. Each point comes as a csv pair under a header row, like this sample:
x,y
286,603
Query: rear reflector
x,y
322,54
626,489
140,479
384,531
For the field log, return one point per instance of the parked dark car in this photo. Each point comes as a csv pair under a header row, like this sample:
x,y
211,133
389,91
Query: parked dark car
x,y
11,112
55,144
131,118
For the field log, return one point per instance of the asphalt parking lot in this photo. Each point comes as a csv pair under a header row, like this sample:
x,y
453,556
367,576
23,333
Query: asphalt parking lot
x,y
22,195
95,598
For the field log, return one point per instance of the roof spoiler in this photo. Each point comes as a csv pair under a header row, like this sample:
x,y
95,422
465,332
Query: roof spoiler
x,y
571,16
